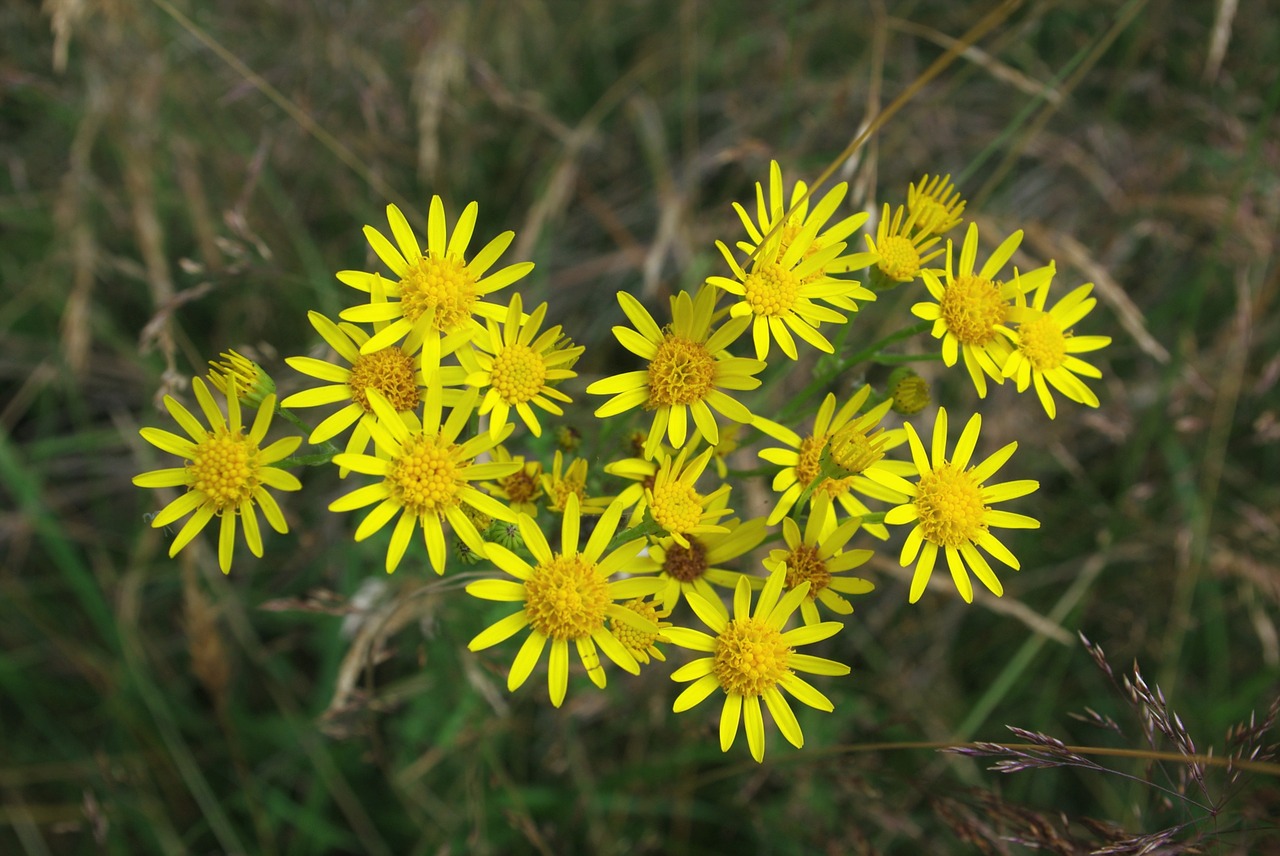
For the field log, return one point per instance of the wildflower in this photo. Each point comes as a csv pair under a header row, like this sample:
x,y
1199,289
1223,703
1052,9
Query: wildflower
x,y
1044,347
642,644
818,557
522,488
752,659
563,482
566,597
518,368
805,227
791,269
688,370
902,255
392,371
801,458
252,384
972,307
437,291
674,500
697,566
935,204
226,472
950,505
426,477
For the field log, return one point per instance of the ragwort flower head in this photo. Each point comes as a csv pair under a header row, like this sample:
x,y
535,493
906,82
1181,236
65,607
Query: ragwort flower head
x,y
517,368
972,307
950,506
394,372
226,474
520,490
1044,347
935,204
567,597
753,659
426,478
438,292
642,644
563,482
701,563
688,370
252,384
818,558
902,245
676,504
801,458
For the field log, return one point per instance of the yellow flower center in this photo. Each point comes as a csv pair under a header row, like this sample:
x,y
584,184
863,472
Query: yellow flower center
x,y
750,657
929,213
809,467
899,259
389,371
518,373
854,449
574,481
676,506
636,641
225,469
804,564
566,598
522,486
424,478
972,307
789,234
682,372
685,564
1043,343
950,505
444,285
771,290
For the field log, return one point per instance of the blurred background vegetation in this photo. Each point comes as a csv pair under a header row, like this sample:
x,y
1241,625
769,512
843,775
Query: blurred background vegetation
x,y
179,180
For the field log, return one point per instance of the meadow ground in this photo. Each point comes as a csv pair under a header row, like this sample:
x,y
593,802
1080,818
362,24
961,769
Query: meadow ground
x,y
182,179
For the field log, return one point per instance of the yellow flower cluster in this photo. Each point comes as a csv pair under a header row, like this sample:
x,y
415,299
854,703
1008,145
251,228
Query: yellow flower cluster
x,y
433,377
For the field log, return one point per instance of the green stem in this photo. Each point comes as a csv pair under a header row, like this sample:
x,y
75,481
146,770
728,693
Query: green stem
x,y
843,364
324,456
643,529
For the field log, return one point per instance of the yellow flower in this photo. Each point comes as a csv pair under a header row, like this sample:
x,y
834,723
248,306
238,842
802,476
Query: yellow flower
x,y
642,644
426,476
972,307
793,268
804,223
674,501
935,204
950,505
801,458
251,382
438,291
518,368
393,371
902,255
226,474
1044,347
522,488
695,567
753,658
816,559
566,598
688,370
563,482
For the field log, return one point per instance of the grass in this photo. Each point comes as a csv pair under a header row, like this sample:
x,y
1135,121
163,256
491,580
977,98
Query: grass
x,y
159,205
